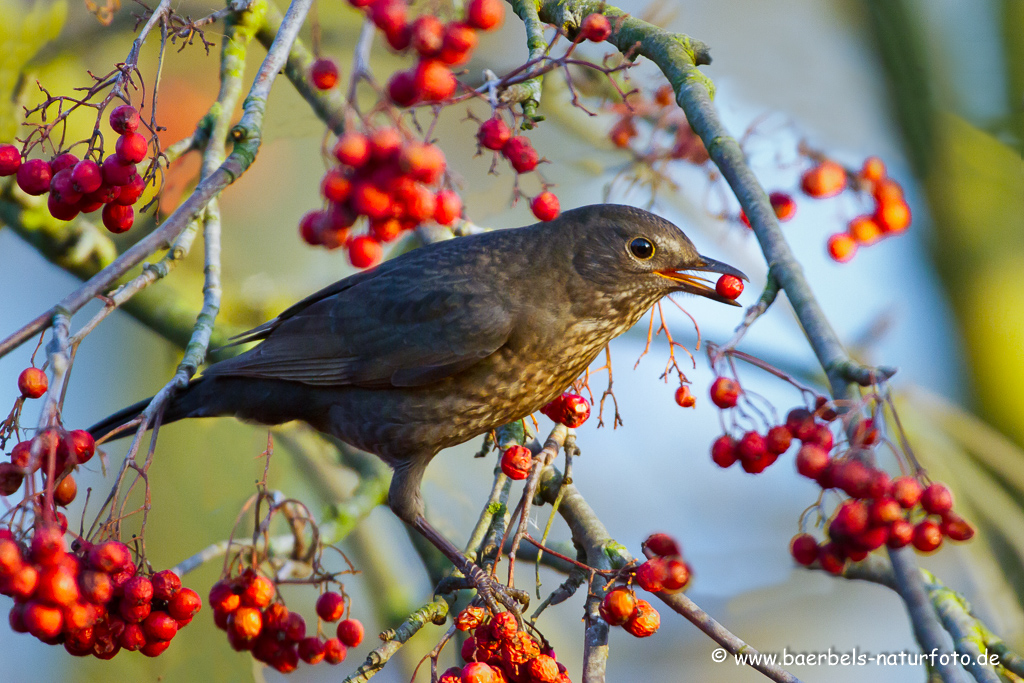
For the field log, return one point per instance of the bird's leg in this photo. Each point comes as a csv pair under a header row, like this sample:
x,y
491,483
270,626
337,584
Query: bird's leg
x,y
489,588
405,501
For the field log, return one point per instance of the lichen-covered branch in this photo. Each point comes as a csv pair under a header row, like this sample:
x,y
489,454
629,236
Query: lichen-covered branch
x,y
528,93
434,612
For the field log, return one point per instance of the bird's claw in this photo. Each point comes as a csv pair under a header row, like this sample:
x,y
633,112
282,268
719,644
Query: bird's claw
x,y
495,593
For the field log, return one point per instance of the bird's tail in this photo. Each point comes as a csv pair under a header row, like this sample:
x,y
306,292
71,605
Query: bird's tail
x,y
189,402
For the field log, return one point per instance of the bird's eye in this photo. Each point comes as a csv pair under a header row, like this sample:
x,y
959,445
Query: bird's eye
x,y
642,248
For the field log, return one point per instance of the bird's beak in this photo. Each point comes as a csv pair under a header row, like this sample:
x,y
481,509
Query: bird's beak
x,y
694,284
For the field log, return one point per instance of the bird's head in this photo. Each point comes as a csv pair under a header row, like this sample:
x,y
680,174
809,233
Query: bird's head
x,y
628,251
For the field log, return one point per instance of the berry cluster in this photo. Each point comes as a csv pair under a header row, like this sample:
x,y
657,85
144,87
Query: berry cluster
x,y
875,511
93,601
245,607
438,46
498,651
664,570
83,186
495,135
637,617
383,176
569,409
671,136
754,451
890,215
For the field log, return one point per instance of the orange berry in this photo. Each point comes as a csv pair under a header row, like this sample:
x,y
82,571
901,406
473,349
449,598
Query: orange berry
x,y
485,14
873,170
893,216
364,251
827,179
623,132
864,230
684,397
350,632
645,621
783,205
618,606
434,81
888,191
841,247
545,206
32,383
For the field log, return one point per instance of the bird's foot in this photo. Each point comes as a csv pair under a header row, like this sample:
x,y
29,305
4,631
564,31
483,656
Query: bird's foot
x,y
494,593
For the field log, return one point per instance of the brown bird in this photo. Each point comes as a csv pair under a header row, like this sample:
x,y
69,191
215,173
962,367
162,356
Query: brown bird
x,y
450,341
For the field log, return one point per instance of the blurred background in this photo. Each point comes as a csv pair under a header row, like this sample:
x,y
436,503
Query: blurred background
x,y
935,88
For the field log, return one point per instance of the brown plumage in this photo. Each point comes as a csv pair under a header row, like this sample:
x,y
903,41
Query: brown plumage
x,y
451,340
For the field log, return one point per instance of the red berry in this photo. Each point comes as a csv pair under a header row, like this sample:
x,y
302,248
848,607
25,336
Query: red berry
x,y
545,206
324,73
831,559
485,14
311,650
725,392
86,176
723,451
645,620
57,586
516,462
131,148
684,398
116,172
423,162
729,286
330,606
885,511
778,440
804,549
850,519
651,574
571,410
618,606
818,435
132,638
864,230
124,119
827,179
130,192
138,590
543,669
389,15
10,160
901,533
841,247
661,545
399,36
155,648
493,134
61,210
448,207
32,383
427,35
118,218
34,177
353,149
402,89
937,499
459,42
853,477
246,622
47,545
783,205
799,422
873,170
42,621
64,493
257,590
159,625
364,252
479,672
223,597
595,28
109,556
334,651
677,576
350,632
385,144
67,160
811,461
185,604
907,491
927,536
956,527
433,80
520,154
752,446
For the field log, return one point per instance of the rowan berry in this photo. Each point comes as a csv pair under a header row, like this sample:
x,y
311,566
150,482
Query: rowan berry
x,y
927,536
826,179
595,28
118,218
448,207
334,651
364,252
783,205
723,451
485,14
516,462
644,622
725,392
34,176
729,286
842,247
32,383
684,397
10,160
804,549
330,606
936,499
864,230
618,606
324,73
402,89
520,154
458,44
131,148
433,80
353,149
545,206
124,119
493,134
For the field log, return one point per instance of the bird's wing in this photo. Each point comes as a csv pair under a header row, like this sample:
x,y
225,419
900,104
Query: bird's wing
x,y
377,332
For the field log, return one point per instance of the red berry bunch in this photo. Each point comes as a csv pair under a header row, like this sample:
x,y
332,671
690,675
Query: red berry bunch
x,y
93,601
84,185
245,607
660,113
754,451
69,449
664,570
498,651
890,216
385,177
621,607
438,46
571,410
